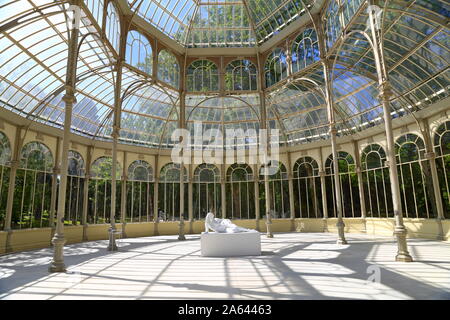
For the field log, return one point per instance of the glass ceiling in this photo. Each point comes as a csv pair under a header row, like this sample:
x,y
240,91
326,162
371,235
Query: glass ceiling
x,y
33,62
220,23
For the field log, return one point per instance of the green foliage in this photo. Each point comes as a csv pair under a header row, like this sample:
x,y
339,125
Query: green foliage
x,y
147,65
168,68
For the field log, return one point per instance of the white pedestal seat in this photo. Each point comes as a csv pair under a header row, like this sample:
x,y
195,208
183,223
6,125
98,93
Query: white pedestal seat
x,y
215,244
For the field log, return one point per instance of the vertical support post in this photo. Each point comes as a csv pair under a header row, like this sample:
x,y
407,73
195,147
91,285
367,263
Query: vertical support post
x,y
191,200
323,189
123,196
256,191
333,134
223,177
266,163
181,236
182,125
291,191
112,246
431,156
86,192
15,162
385,95
156,198
57,264
53,197
360,184
117,114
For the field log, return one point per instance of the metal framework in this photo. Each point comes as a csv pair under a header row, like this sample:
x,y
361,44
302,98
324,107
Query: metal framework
x,y
345,70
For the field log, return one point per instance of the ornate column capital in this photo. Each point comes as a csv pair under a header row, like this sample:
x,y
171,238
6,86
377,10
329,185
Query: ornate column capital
x,y
69,97
115,132
332,130
385,90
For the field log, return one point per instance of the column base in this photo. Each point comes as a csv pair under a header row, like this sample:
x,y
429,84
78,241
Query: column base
x,y
402,254
403,258
181,236
57,264
341,232
112,240
57,267
113,247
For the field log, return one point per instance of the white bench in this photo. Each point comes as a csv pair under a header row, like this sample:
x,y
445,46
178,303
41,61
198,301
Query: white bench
x,y
215,244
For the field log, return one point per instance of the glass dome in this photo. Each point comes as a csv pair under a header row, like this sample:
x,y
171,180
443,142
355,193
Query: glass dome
x,y
221,23
223,90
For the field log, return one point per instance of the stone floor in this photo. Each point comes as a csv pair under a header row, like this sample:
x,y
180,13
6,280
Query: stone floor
x,y
293,266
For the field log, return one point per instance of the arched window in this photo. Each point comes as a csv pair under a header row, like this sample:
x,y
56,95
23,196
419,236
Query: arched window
x,y
139,52
276,67
169,193
278,190
376,182
140,170
96,9
332,24
351,207
99,208
305,50
102,169
202,76
113,27
442,150
307,189
5,157
207,192
5,149
168,68
76,165
414,176
241,75
75,188
140,188
240,192
36,156
32,197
